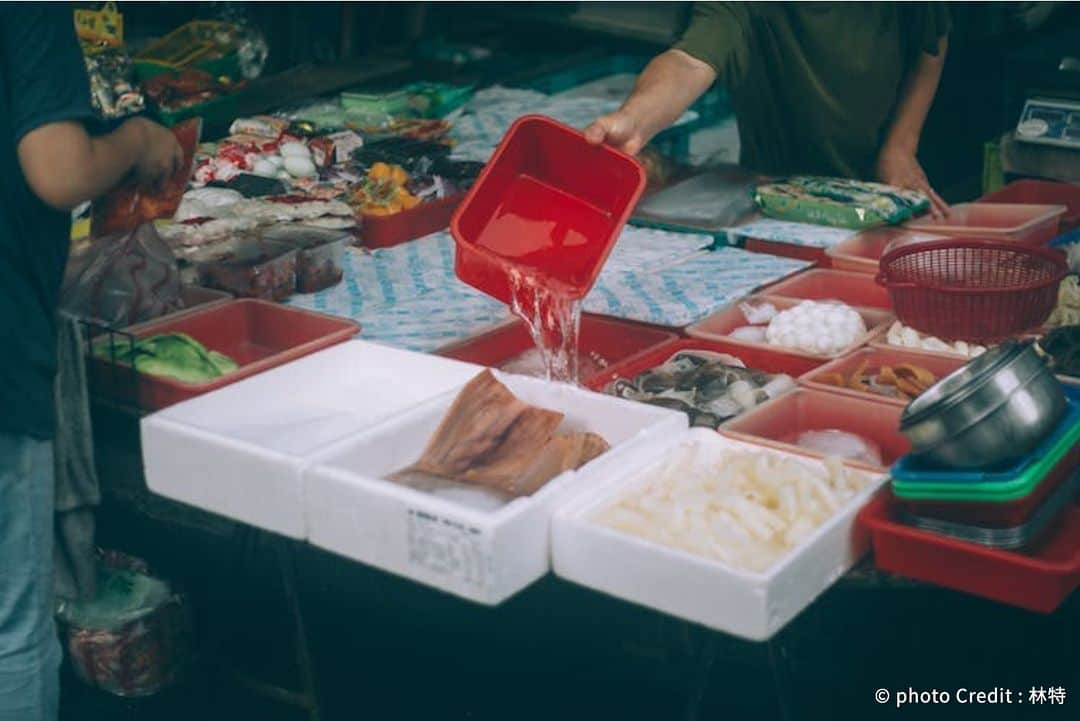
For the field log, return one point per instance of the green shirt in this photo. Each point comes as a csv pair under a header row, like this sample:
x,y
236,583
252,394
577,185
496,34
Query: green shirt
x,y
813,84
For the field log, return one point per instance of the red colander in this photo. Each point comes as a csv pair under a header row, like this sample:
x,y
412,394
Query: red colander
x,y
972,289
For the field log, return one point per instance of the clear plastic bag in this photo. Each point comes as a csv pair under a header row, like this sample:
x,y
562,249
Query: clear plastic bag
x,y
124,279
712,200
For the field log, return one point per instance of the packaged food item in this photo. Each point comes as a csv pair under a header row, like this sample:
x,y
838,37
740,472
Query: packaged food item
x,y
839,202
320,254
114,92
335,148
253,268
1067,311
261,126
130,206
133,639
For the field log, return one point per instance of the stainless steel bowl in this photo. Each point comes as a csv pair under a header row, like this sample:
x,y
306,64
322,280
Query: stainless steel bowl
x,y
993,411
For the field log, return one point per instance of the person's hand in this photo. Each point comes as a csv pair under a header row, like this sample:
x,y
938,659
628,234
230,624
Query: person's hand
x,y
900,168
620,130
161,155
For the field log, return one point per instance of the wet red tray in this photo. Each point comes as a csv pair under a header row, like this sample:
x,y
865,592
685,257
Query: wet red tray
x,y
763,360
614,341
718,325
384,231
1044,192
939,365
549,201
1039,581
856,289
777,422
257,334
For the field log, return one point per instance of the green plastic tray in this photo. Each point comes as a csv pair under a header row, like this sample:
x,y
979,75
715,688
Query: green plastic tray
x,y
998,491
215,112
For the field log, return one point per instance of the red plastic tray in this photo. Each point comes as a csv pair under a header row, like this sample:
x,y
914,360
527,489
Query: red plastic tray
x,y
1042,192
257,334
1039,581
763,360
997,515
613,340
855,289
384,231
1008,222
861,253
774,423
717,326
549,201
787,250
939,365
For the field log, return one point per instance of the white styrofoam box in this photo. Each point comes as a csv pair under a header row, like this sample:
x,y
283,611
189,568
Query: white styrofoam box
x,y
484,556
744,603
240,451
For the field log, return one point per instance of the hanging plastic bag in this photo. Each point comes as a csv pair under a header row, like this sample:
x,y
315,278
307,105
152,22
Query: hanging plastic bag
x,y
125,278
130,206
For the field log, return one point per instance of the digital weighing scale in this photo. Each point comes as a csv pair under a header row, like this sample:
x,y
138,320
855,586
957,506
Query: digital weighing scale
x,y
1050,121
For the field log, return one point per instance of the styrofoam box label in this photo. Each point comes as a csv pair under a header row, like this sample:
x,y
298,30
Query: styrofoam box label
x,y
458,551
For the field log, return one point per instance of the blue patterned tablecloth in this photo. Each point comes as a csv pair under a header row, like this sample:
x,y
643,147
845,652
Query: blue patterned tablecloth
x,y
784,231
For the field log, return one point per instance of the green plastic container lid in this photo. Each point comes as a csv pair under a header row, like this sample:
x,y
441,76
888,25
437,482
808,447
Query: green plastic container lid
x,y
996,491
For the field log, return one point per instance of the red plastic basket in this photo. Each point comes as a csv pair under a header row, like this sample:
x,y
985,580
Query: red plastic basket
x,y
972,289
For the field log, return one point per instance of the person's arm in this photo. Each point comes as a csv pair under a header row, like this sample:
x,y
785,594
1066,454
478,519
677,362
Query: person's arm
x,y
65,166
897,164
50,101
665,89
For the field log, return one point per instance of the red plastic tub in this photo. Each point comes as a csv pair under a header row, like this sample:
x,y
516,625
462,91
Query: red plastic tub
x,y
1039,581
972,289
1043,192
603,341
257,334
856,289
874,359
1007,222
861,253
777,422
384,231
996,515
717,326
763,360
547,201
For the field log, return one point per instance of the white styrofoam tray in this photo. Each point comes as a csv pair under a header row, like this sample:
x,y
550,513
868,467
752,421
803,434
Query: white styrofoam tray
x,y
482,555
747,604
240,451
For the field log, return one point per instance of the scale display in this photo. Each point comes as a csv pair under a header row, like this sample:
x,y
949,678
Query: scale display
x,y
1050,122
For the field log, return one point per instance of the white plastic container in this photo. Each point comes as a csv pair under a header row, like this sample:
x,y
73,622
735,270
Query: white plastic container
x,y
484,556
747,604
240,451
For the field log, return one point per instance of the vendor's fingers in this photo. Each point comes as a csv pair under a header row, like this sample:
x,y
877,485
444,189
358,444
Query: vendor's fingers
x,y
938,204
596,133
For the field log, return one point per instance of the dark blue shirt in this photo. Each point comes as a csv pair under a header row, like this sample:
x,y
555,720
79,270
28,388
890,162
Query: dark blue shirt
x,y
42,80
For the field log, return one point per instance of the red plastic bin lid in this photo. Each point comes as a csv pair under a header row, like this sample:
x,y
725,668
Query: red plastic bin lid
x,y
549,201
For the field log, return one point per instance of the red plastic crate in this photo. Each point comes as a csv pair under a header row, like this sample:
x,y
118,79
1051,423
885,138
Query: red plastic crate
x,y
763,360
1006,222
997,515
856,289
1039,581
717,326
257,334
1044,192
777,422
549,201
384,231
613,340
939,365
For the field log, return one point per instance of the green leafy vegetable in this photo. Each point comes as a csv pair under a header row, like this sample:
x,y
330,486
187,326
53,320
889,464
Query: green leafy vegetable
x,y
171,355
